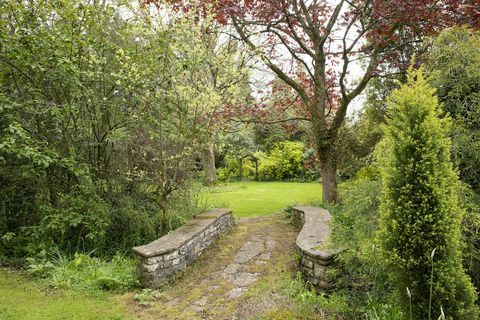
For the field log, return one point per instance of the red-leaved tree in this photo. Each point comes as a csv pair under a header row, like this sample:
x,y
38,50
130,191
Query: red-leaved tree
x,y
328,51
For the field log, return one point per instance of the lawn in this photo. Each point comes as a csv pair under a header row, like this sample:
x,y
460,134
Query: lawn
x,y
21,298
261,198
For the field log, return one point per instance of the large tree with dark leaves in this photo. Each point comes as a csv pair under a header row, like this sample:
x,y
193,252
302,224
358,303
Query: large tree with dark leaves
x,y
317,48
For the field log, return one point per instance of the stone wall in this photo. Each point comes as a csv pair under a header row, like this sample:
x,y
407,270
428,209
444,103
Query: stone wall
x,y
162,259
317,258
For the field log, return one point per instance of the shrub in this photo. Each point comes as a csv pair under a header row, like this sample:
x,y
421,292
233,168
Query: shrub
x,y
231,171
79,220
455,63
356,221
283,161
419,208
83,271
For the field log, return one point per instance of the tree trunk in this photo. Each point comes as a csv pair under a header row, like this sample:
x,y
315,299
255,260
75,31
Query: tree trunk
x,y
240,169
329,175
209,165
163,228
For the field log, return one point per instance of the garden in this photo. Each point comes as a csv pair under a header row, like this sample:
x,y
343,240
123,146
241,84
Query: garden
x,y
122,121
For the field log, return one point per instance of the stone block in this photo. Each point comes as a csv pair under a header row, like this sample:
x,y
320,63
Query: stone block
x,y
320,271
152,260
306,262
307,272
312,280
170,256
148,268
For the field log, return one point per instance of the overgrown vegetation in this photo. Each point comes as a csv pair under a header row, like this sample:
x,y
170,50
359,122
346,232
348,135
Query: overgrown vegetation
x,y
455,66
83,272
99,132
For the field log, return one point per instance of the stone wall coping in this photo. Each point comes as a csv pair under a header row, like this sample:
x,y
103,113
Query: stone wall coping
x,y
315,233
178,237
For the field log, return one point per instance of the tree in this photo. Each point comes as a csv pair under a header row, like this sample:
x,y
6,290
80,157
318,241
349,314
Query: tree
x,y
217,78
71,83
420,215
313,45
455,65
226,76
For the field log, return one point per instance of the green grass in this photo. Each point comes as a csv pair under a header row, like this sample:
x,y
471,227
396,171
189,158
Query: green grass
x,y
261,198
21,298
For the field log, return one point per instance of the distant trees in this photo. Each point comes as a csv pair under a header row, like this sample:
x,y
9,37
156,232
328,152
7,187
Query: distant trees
x,y
420,214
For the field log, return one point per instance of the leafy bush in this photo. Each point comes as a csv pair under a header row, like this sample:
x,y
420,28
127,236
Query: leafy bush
x,y
231,170
420,217
83,272
79,216
84,167
356,220
283,161
355,228
455,64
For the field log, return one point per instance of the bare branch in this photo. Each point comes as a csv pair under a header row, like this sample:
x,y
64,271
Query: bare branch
x,y
282,75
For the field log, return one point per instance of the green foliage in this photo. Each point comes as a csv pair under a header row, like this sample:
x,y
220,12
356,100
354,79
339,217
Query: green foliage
x,y
284,161
471,234
382,311
83,272
419,207
359,139
307,302
455,65
79,216
360,135
357,219
231,170
354,228
98,128
147,296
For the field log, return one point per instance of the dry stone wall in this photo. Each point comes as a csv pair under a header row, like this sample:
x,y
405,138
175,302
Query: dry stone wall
x,y
317,258
162,259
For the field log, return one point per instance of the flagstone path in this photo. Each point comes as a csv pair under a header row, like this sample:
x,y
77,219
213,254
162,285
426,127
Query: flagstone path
x,y
241,276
